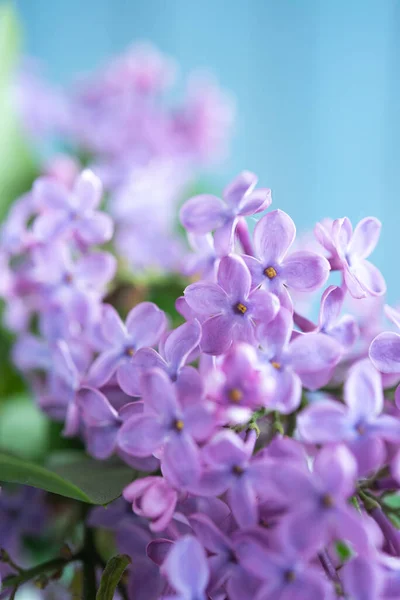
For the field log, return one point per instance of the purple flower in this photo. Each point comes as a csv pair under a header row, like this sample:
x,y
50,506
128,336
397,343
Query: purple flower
x,y
348,250
205,213
175,350
101,422
231,309
71,213
308,360
186,569
170,424
272,268
230,466
144,326
343,329
362,579
359,424
317,502
223,563
204,261
154,499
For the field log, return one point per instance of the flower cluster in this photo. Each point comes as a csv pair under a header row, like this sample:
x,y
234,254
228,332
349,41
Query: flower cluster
x,y
265,445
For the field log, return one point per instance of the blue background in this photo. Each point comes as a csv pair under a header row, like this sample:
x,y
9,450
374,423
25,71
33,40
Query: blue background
x,y
316,81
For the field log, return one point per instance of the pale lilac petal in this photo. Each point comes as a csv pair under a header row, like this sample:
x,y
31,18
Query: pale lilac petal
x,y
157,550
158,394
352,283
96,229
203,214
95,408
224,237
274,336
146,323
112,326
369,451
141,435
101,442
273,236
104,367
216,334
98,268
331,305
304,271
361,578
206,298
346,331
49,193
365,237
256,269
88,189
385,352
392,314
363,391
199,420
243,502
234,277
180,462
324,237
342,230
369,277
338,470
313,356
129,374
324,422
255,202
243,184
264,306
209,535
349,526
387,427
287,395
226,449
180,343
186,568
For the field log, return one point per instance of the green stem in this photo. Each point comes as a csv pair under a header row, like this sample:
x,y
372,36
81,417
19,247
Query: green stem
x,y
51,565
89,567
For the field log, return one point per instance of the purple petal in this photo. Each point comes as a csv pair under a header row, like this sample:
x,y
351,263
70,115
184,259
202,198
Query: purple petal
x,y
180,343
345,331
199,420
95,409
98,268
217,334
146,323
331,305
370,278
141,435
273,236
353,285
96,229
324,422
112,326
224,237
287,395
313,356
304,271
157,550
385,352
392,314
361,578
255,202
209,535
180,462
387,427
203,214
129,374
158,394
369,451
101,442
234,277
104,367
256,269
264,306
226,449
363,391
243,502
206,298
244,183
186,568
88,189
274,336
49,193
365,237
337,469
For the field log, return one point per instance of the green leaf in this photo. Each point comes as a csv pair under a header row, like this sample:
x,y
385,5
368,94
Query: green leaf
x,y
74,476
343,551
392,500
111,576
23,428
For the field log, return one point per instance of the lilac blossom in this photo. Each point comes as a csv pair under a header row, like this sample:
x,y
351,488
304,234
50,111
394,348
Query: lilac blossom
x,y
205,213
231,310
154,499
348,251
359,423
144,326
186,569
308,360
276,270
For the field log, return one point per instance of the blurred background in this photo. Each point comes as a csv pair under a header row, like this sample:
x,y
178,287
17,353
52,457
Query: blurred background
x,y
316,83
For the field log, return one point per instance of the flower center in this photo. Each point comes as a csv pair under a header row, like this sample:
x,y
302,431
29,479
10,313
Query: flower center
x,y
270,272
179,425
241,308
290,576
130,351
327,501
360,429
276,365
235,395
238,470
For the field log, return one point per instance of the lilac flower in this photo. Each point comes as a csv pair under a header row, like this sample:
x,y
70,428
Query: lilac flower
x,y
186,569
275,270
285,570
72,213
170,424
205,213
231,308
204,260
362,579
307,360
318,508
144,326
343,329
238,383
360,424
231,467
175,351
101,422
348,250
154,499
223,563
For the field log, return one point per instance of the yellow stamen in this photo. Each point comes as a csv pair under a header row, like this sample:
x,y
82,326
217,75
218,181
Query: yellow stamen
x,y
241,308
179,425
238,470
276,365
270,272
235,395
130,351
